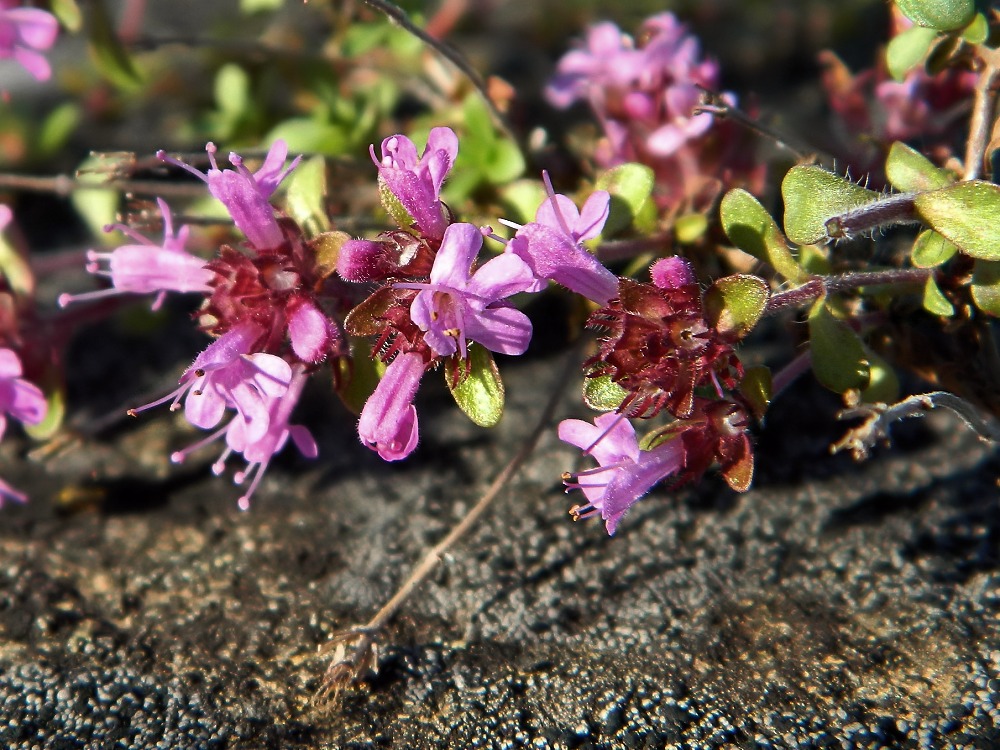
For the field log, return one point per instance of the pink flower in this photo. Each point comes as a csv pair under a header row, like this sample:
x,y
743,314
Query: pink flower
x,y
246,194
624,473
259,452
389,420
416,182
23,31
147,268
20,399
455,307
228,375
551,247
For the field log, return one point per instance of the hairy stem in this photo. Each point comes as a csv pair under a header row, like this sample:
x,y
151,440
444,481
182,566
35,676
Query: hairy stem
x,y
983,110
821,285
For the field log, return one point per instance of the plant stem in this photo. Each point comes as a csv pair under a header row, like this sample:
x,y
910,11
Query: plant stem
x,y
822,285
983,109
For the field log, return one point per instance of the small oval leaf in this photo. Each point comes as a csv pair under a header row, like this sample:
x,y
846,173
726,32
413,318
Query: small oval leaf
x,y
986,286
839,359
734,304
813,196
934,300
630,186
602,393
477,387
757,389
909,171
908,49
966,213
944,15
931,250
750,227
304,198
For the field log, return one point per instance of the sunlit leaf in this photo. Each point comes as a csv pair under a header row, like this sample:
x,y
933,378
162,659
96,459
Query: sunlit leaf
x,y
934,300
630,186
734,304
839,359
931,250
911,172
305,196
908,49
986,286
478,390
757,389
944,15
813,196
603,394
750,227
965,213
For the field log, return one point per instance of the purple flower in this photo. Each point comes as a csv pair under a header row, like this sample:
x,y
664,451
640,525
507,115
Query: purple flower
x,y
389,420
22,32
20,399
607,60
454,308
259,452
147,268
551,247
624,473
228,375
416,182
246,194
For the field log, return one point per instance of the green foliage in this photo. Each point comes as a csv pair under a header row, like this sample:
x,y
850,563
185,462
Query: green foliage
x,y
943,15
908,49
522,198
734,304
986,286
934,300
631,188
883,383
813,196
757,389
909,171
357,376
476,386
931,250
965,213
98,207
305,196
750,227
68,13
107,51
839,359
602,393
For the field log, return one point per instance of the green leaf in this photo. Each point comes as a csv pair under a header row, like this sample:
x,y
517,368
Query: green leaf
x,y
986,286
966,213
304,198
907,49
734,304
839,359
934,300
750,227
978,31
110,56
478,390
505,162
909,171
311,135
690,228
522,199
944,15
602,393
232,89
393,207
630,186
813,196
258,6
68,13
757,389
357,377
931,250
57,128
14,267
883,386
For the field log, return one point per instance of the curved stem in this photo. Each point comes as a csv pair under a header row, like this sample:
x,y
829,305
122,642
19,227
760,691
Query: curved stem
x,y
815,288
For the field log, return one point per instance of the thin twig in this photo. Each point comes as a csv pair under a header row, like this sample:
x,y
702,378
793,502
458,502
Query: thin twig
x,y
351,661
456,58
983,111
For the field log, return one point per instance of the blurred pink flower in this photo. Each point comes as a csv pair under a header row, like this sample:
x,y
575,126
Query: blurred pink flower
x,y
24,32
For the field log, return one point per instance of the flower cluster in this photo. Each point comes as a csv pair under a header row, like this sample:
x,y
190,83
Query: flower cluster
x,y
646,98
19,399
658,346
267,303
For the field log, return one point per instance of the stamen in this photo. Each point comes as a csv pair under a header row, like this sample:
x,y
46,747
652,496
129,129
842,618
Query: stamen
x,y
555,204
